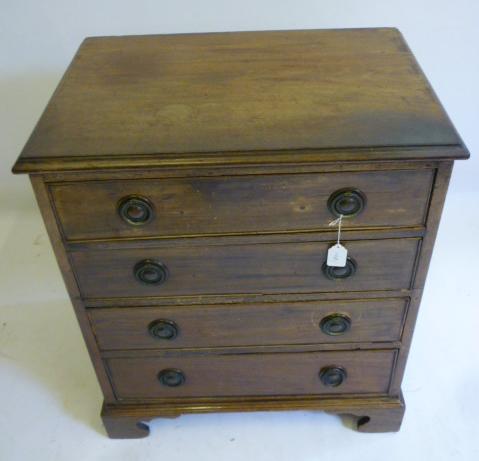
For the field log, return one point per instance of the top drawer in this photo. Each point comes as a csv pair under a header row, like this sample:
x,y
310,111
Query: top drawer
x,y
240,204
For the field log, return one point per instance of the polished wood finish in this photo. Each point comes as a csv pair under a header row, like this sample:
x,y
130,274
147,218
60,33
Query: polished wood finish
x,y
169,95
192,206
260,268
242,325
368,372
438,198
69,278
370,414
187,183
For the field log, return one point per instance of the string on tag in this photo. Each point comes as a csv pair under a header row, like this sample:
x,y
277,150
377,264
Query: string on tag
x,y
337,222
337,254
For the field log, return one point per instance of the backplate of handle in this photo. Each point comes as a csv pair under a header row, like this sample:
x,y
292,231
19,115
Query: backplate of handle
x,y
332,376
150,272
347,202
335,324
339,273
135,210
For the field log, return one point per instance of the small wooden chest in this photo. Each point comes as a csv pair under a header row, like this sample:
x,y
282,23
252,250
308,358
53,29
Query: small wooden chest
x,y
187,183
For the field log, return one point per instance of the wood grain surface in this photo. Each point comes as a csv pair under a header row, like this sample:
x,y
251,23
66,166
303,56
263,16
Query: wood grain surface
x,y
368,372
162,96
240,204
257,268
255,324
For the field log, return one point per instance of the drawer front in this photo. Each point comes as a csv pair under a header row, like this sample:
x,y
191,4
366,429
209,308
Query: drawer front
x,y
299,373
253,268
239,204
259,324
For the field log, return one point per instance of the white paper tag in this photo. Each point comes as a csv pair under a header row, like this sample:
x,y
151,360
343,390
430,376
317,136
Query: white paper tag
x,y
337,256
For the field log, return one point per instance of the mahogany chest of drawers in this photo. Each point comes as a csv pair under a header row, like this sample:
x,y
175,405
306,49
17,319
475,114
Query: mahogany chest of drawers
x,y
187,183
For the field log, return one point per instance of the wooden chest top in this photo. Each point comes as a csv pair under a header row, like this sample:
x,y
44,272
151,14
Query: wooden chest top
x,y
219,98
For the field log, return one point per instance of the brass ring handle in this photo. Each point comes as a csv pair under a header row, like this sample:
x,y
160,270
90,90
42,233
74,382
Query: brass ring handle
x,y
150,272
163,329
135,210
171,377
338,273
347,202
332,376
335,324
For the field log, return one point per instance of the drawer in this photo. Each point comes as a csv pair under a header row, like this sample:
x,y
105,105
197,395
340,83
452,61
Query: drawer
x,y
244,268
242,325
297,373
239,204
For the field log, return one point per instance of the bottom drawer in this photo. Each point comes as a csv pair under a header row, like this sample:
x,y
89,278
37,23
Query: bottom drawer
x,y
296,373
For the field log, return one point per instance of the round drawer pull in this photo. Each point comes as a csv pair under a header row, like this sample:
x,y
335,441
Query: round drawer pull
x,y
336,273
150,272
335,324
171,377
332,376
163,329
346,202
135,210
